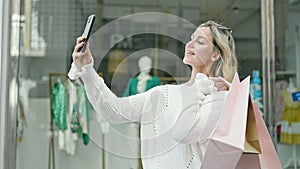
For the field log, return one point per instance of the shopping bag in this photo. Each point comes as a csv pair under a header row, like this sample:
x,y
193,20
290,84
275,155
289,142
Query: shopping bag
x,y
252,149
252,141
226,144
268,158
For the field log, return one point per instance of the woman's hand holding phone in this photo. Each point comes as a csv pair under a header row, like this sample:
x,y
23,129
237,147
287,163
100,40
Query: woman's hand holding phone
x,y
81,58
81,54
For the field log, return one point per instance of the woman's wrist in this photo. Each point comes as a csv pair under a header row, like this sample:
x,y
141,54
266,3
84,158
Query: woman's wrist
x,y
79,65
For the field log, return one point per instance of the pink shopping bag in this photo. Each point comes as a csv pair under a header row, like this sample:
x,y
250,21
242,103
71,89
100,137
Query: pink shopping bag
x,y
226,144
268,158
241,139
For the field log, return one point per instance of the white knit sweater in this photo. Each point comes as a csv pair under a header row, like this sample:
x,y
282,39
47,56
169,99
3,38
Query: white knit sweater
x,y
176,120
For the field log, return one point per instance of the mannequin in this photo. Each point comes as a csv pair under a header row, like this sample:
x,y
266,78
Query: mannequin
x,y
290,116
290,121
143,81
139,84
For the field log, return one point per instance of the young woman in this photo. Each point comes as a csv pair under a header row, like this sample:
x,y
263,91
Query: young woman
x,y
176,120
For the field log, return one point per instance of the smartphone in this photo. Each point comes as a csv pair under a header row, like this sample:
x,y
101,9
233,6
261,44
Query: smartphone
x,y
87,30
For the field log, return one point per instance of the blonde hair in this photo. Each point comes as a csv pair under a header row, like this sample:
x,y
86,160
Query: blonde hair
x,y
223,42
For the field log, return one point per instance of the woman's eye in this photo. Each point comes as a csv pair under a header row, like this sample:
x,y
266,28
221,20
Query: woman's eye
x,y
200,42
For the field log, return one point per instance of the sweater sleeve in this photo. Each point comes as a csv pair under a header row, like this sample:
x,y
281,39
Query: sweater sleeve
x,y
204,120
113,108
196,123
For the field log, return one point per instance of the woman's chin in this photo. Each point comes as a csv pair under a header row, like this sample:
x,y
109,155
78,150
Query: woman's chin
x,y
185,60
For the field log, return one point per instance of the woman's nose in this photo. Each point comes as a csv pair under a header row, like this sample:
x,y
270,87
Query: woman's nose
x,y
190,44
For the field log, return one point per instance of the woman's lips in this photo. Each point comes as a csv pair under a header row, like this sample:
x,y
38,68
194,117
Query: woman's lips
x,y
189,52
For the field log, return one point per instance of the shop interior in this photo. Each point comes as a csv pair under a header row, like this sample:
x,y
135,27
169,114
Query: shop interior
x,y
43,37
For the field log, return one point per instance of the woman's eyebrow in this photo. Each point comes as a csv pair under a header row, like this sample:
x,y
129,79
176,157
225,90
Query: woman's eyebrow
x,y
201,37
198,37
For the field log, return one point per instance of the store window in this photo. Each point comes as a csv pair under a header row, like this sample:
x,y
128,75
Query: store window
x,y
122,34
287,84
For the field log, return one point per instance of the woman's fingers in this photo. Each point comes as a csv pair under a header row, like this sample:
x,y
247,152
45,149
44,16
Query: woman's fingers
x,y
80,39
76,55
225,81
222,88
78,46
220,83
81,58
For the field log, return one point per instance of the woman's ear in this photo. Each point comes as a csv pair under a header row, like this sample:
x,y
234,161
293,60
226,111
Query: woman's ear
x,y
216,56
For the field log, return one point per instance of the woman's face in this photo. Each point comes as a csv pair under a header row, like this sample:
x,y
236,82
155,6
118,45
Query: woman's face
x,y
199,50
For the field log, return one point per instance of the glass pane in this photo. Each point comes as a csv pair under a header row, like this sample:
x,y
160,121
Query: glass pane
x,y
48,30
49,126
287,84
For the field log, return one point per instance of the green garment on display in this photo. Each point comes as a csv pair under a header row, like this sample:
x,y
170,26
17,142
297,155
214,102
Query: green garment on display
x,y
75,125
83,113
59,105
131,88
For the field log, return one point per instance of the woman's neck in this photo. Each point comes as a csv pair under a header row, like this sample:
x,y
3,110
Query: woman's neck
x,y
194,73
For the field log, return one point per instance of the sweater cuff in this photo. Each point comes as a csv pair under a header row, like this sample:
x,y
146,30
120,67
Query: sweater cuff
x,y
75,73
89,75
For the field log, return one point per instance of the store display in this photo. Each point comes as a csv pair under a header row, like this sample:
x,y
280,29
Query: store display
x,y
59,105
255,90
143,81
279,106
83,113
291,116
70,109
289,132
42,33
256,86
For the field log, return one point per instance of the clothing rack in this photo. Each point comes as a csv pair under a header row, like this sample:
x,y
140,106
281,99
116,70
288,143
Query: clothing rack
x,y
51,152
51,156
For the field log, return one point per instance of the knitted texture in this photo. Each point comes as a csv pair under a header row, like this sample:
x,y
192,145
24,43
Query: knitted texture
x,y
176,120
